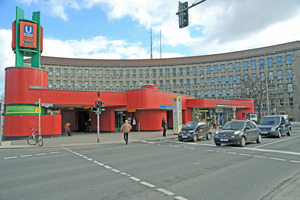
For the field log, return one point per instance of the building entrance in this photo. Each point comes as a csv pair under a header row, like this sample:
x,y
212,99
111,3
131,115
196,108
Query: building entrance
x,y
120,117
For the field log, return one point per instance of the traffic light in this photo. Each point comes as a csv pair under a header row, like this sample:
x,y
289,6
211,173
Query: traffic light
x,y
102,106
97,104
184,15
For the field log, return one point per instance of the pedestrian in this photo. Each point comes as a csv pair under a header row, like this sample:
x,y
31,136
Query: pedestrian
x,y
133,124
125,128
68,129
88,126
214,122
217,122
164,125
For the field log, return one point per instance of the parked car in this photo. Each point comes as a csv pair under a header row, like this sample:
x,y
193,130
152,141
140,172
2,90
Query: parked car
x,y
238,132
194,130
275,125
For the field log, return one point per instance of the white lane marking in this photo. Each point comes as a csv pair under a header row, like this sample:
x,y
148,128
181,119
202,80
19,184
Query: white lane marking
x,y
257,156
54,152
234,153
244,154
181,198
25,156
41,154
12,157
281,140
89,159
107,167
115,170
165,191
280,159
295,161
135,179
147,184
274,151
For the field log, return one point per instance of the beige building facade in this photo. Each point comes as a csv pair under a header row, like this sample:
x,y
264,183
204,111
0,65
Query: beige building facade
x,y
217,76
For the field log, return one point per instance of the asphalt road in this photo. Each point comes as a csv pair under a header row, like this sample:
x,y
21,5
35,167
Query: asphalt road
x,y
156,169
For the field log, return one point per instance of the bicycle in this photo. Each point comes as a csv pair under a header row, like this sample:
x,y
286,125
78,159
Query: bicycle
x,y
35,139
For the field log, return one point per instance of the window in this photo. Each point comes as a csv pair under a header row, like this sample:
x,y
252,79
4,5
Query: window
x,y
279,75
222,68
246,77
154,73
238,78
114,73
290,88
270,62
72,72
181,82
79,73
202,93
271,89
202,82
195,93
121,73
261,63
107,85
216,68
230,79
50,73
134,84
201,70
127,84
208,69
100,73
86,73
94,85
273,103
79,85
209,93
271,76
223,80
107,74
50,84
114,85
245,65
73,85
208,81
134,73
279,63
262,76
65,84
195,82
281,102
148,73
224,93
141,73
253,64
216,81
291,101
216,93
239,91
174,83
57,72
167,72
231,92
161,74
230,67
174,72
280,88
181,71
101,85
187,71
168,83
66,72
289,73
93,73
253,77
195,70
127,73
188,82
121,85
87,85
237,66
288,59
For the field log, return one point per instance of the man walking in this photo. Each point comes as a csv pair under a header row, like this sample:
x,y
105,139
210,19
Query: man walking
x,y
125,128
88,126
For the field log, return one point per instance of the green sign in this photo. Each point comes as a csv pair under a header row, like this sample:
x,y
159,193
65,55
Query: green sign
x,y
23,110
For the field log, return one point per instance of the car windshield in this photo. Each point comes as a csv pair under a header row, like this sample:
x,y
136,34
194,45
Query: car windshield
x,y
234,125
190,125
269,121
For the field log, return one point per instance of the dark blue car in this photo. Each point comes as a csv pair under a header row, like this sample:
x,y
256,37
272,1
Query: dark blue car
x,y
275,125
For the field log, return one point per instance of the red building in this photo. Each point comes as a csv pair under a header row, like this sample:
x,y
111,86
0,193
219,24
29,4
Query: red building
x,y
25,86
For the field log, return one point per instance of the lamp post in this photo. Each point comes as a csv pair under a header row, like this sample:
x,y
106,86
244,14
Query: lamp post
x,y
267,91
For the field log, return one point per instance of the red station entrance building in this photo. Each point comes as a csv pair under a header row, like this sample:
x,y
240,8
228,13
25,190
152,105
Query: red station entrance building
x,y
25,86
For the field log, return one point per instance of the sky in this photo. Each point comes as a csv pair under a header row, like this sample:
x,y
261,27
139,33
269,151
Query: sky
x,y
120,29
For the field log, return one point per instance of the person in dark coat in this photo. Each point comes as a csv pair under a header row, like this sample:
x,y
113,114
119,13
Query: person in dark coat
x,y
88,126
164,125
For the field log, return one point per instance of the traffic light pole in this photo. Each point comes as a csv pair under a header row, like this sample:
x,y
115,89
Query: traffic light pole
x,y
194,4
98,123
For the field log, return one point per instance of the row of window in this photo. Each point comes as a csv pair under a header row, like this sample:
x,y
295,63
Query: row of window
x,y
159,72
86,85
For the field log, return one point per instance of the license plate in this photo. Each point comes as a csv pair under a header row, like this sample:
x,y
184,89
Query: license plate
x,y
264,132
184,136
223,140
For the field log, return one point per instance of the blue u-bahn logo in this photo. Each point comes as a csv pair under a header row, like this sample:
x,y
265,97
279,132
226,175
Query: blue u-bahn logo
x,y
28,30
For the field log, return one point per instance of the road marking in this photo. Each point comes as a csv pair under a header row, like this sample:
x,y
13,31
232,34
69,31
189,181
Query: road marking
x,y
12,157
25,156
232,153
41,154
147,184
295,161
243,154
115,170
165,191
107,167
257,156
280,159
55,152
274,151
135,179
181,198
281,140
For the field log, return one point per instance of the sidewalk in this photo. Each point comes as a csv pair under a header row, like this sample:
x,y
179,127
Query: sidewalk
x,y
82,139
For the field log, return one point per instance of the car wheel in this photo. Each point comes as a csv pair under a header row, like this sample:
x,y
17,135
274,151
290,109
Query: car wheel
x,y
258,138
289,133
208,136
195,138
279,133
180,139
218,144
243,141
